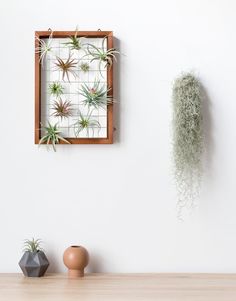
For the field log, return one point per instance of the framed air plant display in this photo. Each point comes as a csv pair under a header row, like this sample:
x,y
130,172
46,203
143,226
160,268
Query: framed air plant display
x,y
74,87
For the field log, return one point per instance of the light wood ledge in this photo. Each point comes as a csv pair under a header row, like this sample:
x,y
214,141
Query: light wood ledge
x,y
119,287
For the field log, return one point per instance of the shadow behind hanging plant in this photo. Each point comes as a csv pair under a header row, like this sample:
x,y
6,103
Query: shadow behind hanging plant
x,y
187,139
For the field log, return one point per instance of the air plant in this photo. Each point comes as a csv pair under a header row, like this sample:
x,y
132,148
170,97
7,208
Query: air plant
x,y
187,139
33,245
52,136
44,47
84,67
75,43
85,123
102,55
56,89
67,67
62,109
96,95
34,262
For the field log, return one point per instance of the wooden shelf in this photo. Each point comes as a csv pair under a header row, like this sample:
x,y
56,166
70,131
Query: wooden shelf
x,y
119,287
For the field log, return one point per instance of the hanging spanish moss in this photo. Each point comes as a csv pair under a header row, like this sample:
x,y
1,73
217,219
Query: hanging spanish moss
x,y
187,139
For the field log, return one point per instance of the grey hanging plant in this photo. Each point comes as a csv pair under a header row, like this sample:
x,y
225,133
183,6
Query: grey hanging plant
x,y
187,139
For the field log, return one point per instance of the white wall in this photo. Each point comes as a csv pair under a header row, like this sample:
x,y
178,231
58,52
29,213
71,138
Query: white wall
x,y
119,200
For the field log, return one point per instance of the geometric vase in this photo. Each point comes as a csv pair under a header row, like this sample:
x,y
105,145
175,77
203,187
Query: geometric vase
x,y
34,264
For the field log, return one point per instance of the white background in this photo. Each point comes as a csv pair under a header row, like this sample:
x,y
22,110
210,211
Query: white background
x,y
119,200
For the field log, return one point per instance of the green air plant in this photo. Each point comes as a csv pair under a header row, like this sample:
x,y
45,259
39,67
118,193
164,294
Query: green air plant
x,y
34,262
52,135
62,109
187,139
67,67
75,43
56,89
43,47
32,245
96,96
85,123
84,67
102,55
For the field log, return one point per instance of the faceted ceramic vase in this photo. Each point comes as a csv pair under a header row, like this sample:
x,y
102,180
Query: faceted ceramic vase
x,y
76,258
34,264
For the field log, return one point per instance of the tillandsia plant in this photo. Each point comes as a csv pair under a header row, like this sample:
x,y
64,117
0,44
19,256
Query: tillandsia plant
x,y
44,47
56,89
32,245
84,67
96,96
75,43
85,123
67,67
187,139
34,262
62,109
102,55
52,135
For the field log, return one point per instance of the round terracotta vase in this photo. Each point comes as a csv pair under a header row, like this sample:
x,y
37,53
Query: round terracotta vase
x,y
76,258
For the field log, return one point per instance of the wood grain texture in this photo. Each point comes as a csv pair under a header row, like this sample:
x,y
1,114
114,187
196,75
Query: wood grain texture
x,y
63,34
119,287
37,80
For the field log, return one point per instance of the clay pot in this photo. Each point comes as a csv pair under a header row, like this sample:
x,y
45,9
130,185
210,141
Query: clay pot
x,y
76,258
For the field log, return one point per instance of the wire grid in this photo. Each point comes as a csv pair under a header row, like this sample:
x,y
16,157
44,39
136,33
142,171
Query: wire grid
x,y
50,74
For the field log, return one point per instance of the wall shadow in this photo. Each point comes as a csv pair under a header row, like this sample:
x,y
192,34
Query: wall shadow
x,y
95,263
207,130
117,98
54,263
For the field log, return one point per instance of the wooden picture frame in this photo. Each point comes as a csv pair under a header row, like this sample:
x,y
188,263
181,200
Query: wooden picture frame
x,y
65,34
